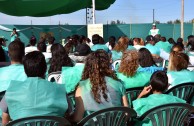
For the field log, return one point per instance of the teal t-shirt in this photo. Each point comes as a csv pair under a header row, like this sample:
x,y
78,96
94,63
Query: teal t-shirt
x,y
140,79
142,105
115,92
153,49
71,76
36,97
130,47
116,55
166,46
178,77
100,46
12,72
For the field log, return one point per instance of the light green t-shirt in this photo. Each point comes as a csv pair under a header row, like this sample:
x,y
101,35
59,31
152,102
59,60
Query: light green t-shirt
x,y
36,96
12,72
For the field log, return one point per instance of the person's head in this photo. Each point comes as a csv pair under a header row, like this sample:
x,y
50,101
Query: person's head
x,y
14,30
59,58
101,40
159,81
97,66
112,40
122,44
157,37
179,40
2,42
171,41
42,39
82,39
163,39
150,39
191,43
95,39
129,63
177,48
178,61
51,40
145,58
16,51
35,64
41,46
136,41
153,26
33,41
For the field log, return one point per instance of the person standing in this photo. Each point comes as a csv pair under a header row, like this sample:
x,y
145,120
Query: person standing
x,y
14,35
154,31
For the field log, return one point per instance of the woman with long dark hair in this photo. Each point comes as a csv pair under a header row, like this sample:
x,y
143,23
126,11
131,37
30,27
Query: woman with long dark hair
x,y
99,87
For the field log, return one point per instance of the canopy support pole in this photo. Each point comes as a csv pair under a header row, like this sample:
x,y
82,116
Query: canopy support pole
x,y
93,10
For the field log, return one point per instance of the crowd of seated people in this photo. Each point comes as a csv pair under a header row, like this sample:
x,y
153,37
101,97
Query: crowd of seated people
x,y
86,69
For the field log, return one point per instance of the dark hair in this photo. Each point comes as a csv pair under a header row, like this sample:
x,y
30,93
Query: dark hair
x,y
35,64
41,46
2,55
51,40
177,47
145,58
163,39
16,51
14,29
33,41
101,40
157,38
191,43
59,58
95,39
159,81
1,41
82,39
112,40
171,41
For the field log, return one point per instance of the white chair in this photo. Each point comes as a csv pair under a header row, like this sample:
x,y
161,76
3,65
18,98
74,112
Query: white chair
x,y
115,63
56,76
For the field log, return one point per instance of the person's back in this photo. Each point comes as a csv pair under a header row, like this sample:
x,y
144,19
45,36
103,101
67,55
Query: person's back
x,y
158,84
35,96
177,69
99,87
163,44
16,70
115,91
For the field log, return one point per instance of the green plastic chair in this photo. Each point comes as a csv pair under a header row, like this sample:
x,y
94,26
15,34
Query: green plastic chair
x,y
184,91
41,121
71,97
175,114
132,94
115,116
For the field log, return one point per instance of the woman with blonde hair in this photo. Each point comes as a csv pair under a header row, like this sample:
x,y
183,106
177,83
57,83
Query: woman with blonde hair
x,y
128,71
177,69
99,87
119,48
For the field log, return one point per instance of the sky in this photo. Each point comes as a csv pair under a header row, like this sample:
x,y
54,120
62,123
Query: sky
x,y
128,11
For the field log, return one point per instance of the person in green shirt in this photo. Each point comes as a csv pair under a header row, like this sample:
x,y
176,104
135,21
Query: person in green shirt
x,y
128,73
158,84
15,71
99,87
154,31
35,96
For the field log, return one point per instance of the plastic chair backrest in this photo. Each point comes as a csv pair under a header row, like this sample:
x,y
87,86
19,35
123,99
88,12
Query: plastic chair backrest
x,y
71,97
175,114
132,94
115,63
56,76
115,116
184,91
40,121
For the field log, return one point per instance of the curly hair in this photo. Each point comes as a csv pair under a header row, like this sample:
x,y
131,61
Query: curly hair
x,y
97,66
178,61
122,44
145,58
59,58
129,63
